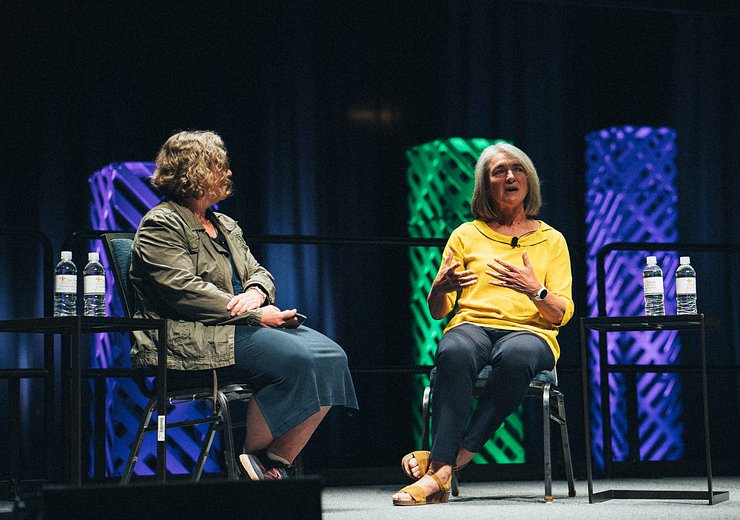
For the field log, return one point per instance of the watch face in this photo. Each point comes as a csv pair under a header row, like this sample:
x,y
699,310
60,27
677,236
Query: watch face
x,y
543,294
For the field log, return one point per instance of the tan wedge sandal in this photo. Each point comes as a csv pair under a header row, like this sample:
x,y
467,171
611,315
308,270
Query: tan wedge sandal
x,y
422,460
418,496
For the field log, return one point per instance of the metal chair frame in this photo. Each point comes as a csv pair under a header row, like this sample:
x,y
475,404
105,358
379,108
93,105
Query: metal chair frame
x,y
553,408
219,420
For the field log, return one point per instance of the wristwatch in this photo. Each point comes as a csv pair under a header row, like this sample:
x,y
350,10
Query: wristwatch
x,y
541,294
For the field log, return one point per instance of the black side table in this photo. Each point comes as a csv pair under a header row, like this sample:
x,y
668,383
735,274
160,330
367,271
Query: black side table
x,y
71,328
641,323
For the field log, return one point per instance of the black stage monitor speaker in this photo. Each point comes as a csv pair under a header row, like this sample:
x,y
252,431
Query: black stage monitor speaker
x,y
204,500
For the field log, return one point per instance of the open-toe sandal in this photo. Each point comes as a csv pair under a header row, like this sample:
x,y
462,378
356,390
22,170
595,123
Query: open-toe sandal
x,y
422,459
418,496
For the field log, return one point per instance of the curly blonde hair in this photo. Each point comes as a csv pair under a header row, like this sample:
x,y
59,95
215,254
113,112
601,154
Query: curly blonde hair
x,y
191,165
481,204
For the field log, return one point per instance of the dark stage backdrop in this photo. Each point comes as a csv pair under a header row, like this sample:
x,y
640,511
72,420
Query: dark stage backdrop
x,y
317,104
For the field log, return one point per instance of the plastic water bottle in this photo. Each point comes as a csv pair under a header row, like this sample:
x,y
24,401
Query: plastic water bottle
x,y
652,278
685,287
94,282
65,286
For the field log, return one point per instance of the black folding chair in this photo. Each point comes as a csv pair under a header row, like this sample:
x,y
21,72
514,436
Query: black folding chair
x,y
544,387
118,249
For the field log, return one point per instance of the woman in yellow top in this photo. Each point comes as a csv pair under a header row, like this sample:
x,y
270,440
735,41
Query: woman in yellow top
x,y
507,276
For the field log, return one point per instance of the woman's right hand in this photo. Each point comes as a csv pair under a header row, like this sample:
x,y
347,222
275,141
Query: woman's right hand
x,y
273,317
447,280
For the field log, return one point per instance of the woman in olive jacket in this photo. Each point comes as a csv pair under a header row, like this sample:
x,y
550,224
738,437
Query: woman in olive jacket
x,y
192,266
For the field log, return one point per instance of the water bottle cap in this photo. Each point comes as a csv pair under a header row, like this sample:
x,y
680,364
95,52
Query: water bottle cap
x,y
93,256
67,256
685,260
652,260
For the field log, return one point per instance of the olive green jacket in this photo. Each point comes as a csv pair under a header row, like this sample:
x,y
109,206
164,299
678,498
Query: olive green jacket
x,y
179,273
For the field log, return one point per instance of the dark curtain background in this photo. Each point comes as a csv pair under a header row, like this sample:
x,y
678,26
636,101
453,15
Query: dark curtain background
x,y
317,103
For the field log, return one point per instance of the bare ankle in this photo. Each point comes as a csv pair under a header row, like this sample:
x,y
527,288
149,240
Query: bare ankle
x,y
442,470
463,458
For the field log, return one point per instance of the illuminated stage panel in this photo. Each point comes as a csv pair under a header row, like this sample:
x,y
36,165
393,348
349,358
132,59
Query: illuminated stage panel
x,y
441,177
121,195
631,197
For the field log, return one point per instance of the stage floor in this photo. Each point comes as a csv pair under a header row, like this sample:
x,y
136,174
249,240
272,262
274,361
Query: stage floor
x,y
523,500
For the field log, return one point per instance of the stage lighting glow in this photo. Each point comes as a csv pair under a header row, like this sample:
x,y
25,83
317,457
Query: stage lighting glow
x,y
121,195
440,178
631,197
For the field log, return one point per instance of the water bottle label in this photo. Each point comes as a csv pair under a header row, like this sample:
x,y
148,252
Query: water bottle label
x,y
95,284
685,286
66,283
653,285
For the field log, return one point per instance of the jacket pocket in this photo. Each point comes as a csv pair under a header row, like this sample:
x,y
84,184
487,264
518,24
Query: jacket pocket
x,y
191,339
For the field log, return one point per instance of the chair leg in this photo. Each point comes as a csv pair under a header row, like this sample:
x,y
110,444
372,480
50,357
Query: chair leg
x,y
566,445
425,418
205,450
221,421
133,455
546,435
229,448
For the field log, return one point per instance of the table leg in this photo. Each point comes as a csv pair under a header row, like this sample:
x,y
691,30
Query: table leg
x,y
76,407
586,380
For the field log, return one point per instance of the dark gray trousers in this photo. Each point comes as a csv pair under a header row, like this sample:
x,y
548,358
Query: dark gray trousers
x,y
515,357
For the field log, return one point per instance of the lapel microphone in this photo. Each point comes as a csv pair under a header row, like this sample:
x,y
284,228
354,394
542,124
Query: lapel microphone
x,y
515,240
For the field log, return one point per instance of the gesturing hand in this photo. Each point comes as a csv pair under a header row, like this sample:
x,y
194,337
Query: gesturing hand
x,y
521,279
447,280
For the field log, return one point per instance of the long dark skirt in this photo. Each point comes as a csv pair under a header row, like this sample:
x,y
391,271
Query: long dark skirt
x,y
294,373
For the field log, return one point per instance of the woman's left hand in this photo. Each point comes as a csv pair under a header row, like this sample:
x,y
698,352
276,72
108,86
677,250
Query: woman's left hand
x,y
521,279
247,301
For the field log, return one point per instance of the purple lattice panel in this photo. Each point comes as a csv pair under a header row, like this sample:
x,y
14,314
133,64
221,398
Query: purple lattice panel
x,y
632,197
121,195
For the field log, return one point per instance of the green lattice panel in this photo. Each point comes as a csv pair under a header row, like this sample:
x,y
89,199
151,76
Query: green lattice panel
x,y
440,178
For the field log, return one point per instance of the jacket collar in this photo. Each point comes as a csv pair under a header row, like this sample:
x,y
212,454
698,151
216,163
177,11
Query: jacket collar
x,y
185,214
227,224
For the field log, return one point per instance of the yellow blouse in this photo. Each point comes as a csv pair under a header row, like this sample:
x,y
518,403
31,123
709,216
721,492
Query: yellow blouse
x,y
473,244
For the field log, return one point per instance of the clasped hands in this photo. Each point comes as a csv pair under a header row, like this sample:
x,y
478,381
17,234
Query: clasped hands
x,y
518,278
272,316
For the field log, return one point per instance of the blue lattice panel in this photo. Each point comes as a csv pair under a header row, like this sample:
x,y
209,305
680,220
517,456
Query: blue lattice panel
x,y
121,195
632,197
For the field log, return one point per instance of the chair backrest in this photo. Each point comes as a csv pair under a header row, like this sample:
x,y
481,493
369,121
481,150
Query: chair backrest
x,y
118,249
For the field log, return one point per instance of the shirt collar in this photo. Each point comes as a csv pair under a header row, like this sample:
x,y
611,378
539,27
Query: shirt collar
x,y
538,236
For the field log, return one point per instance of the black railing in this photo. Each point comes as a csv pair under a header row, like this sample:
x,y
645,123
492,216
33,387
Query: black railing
x,y
692,247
